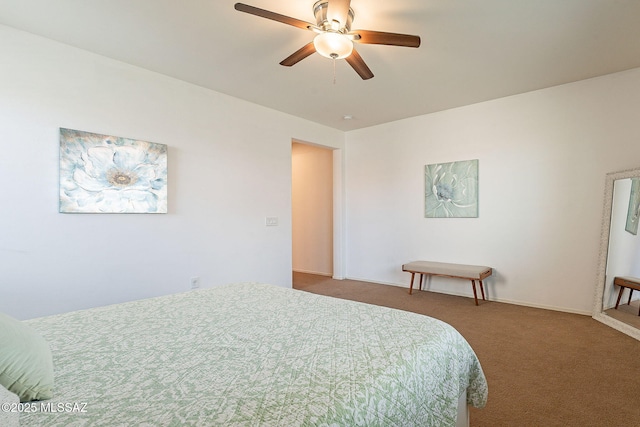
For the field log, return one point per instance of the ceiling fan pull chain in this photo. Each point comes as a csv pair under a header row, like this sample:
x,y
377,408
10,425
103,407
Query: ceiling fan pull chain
x,y
334,71
334,56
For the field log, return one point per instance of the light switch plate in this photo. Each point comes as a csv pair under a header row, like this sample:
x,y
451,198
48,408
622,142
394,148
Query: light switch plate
x,y
271,221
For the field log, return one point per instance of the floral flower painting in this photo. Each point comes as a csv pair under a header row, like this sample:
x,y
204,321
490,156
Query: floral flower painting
x,y
110,174
451,190
633,213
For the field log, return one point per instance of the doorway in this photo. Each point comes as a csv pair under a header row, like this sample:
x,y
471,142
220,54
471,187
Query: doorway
x,y
312,201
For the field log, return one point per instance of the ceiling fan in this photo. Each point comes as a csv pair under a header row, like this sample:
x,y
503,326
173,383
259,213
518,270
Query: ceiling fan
x,y
334,37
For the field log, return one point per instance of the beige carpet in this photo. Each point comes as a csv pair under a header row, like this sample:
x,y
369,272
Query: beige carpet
x,y
544,368
627,313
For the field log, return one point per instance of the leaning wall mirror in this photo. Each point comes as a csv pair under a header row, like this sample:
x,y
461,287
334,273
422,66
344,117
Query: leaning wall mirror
x,y
617,297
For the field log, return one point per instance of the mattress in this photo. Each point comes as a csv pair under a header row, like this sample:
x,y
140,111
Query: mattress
x,y
254,355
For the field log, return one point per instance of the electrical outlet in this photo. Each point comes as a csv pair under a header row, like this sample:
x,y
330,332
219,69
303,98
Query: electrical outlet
x,y
195,282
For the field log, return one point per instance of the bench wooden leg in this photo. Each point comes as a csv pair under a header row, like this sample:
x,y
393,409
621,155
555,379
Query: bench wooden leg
x,y
422,280
411,286
630,294
475,295
619,296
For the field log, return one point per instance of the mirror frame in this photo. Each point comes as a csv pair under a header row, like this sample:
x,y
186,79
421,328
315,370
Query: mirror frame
x,y
598,313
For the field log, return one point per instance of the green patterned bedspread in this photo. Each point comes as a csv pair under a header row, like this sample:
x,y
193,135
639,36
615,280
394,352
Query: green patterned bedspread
x,y
255,355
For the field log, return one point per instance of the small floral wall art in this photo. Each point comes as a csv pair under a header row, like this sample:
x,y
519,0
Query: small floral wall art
x,y
451,190
110,174
633,213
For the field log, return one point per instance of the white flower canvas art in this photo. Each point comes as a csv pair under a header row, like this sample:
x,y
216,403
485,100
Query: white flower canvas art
x,y
633,212
111,174
451,190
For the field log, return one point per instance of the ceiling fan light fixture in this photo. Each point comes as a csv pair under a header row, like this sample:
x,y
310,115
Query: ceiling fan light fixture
x,y
333,45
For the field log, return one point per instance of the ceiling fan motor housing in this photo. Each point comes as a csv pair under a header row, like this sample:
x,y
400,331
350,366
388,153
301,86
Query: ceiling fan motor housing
x,y
320,12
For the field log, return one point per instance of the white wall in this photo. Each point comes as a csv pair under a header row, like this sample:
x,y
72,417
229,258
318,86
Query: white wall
x,y
312,200
542,156
229,168
543,159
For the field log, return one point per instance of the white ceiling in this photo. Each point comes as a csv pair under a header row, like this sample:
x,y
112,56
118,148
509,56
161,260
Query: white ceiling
x,y
472,50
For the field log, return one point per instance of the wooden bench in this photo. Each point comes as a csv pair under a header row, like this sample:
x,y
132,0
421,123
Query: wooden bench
x,y
627,282
459,271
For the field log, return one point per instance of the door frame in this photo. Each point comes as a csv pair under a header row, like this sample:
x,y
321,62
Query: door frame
x,y
338,208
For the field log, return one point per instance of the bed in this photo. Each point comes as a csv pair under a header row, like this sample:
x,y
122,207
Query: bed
x,y
254,355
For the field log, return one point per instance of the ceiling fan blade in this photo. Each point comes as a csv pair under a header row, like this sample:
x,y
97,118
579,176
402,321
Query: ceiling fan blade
x,y
338,10
299,55
273,16
357,63
391,39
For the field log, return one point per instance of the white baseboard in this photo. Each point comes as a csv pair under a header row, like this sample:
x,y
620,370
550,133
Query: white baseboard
x,y
296,270
506,301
